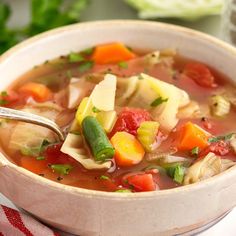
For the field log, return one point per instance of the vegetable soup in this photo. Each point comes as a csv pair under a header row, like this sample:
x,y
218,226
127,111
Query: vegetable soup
x,y
133,121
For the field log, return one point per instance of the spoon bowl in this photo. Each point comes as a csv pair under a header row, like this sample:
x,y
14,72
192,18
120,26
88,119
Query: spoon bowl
x,y
12,114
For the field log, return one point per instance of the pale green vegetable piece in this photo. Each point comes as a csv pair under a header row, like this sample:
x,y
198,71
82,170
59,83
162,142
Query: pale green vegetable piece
x,y
219,106
125,89
107,119
152,58
207,167
166,113
184,9
147,133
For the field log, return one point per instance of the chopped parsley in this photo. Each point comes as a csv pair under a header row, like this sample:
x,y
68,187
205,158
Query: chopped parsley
x,y
179,174
194,151
123,191
158,101
219,138
123,65
75,57
96,110
40,158
104,177
175,171
85,66
63,169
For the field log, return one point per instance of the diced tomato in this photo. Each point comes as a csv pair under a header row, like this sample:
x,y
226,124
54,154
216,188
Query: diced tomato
x,y
220,148
55,156
201,74
129,120
140,182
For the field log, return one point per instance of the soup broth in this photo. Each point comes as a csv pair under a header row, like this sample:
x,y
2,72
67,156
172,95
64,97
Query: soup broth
x,y
135,121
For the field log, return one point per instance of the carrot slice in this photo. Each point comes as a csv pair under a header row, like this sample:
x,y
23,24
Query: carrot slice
x,y
192,136
33,165
128,150
39,92
112,53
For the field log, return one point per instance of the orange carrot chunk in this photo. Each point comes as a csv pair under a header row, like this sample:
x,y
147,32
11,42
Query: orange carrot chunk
x,y
128,150
192,136
112,53
39,92
33,165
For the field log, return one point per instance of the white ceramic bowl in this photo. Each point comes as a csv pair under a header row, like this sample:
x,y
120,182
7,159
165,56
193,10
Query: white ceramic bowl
x,y
87,212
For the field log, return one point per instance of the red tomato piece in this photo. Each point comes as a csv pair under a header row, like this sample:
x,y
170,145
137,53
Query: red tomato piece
x,y
129,120
201,74
220,148
55,156
141,182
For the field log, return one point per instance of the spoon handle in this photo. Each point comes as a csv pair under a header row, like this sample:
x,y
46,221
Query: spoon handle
x,y
27,117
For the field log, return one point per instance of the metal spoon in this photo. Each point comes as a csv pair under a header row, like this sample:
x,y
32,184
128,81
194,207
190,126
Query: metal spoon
x,y
27,117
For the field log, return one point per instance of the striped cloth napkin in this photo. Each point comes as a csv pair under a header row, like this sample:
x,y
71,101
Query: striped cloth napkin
x,y
14,223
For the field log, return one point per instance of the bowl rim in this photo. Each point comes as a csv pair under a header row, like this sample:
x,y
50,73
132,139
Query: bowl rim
x,y
5,163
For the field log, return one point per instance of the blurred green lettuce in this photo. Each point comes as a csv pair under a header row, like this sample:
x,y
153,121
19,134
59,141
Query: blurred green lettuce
x,y
182,9
45,15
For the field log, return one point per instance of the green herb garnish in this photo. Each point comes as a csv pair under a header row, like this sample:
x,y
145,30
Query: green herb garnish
x,y
75,57
176,171
219,138
123,191
104,177
123,65
40,158
96,110
158,101
179,174
61,169
85,66
194,151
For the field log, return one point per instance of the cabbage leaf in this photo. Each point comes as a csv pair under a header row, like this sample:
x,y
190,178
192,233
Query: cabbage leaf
x,y
183,9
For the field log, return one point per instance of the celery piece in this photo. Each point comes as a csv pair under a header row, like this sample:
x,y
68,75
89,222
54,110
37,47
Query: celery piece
x,y
147,133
